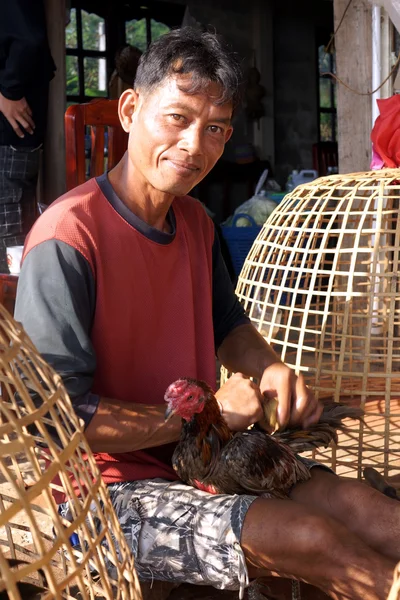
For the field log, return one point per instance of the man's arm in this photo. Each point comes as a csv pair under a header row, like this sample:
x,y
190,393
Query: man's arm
x,y
125,427
246,351
56,303
243,350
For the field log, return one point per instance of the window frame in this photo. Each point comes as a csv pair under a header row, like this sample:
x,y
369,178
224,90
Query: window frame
x,y
332,109
81,53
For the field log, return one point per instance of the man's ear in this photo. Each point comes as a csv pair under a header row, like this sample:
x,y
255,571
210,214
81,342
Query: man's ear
x,y
127,105
228,134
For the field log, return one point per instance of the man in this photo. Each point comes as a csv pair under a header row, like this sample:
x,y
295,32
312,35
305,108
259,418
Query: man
x,y
123,290
26,68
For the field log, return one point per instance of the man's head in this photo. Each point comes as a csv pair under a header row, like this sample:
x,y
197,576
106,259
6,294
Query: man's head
x,y
179,114
189,51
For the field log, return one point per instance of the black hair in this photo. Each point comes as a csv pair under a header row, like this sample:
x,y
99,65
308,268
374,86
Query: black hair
x,y
126,63
188,50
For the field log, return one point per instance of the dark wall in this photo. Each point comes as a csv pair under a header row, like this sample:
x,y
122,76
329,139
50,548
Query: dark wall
x,y
296,27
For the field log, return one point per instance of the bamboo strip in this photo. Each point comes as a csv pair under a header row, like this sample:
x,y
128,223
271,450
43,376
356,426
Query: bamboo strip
x,y
39,431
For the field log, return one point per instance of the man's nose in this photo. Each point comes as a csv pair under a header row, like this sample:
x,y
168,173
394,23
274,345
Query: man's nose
x,y
191,141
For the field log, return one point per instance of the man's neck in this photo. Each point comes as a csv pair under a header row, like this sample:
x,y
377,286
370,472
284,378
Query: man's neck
x,y
150,205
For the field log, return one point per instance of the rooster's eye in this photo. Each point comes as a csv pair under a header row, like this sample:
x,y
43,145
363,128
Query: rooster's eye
x,y
190,397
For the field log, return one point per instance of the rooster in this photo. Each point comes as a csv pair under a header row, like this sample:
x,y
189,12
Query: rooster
x,y
212,458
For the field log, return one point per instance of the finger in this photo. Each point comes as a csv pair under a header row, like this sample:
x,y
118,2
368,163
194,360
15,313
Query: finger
x,y
304,403
315,416
16,127
28,117
311,406
28,109
284,397
22,121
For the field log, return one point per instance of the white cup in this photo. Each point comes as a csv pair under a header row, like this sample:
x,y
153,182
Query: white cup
x,y
14,256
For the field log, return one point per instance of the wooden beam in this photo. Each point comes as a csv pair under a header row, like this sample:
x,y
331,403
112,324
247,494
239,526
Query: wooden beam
x,y
53,176
354,67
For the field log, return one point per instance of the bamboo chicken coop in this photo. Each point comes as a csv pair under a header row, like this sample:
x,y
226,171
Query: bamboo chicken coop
x,y
42,554
322,284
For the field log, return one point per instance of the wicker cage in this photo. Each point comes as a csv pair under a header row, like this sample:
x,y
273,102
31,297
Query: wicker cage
x,y
322,284
85,556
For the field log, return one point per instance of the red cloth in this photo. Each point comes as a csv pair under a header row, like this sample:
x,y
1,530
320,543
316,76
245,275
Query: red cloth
x,y
385,134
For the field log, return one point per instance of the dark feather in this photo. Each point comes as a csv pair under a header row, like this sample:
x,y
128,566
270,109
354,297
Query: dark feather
x,y
324,432
209,456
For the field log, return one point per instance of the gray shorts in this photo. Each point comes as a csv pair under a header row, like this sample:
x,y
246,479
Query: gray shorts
x,y
180,534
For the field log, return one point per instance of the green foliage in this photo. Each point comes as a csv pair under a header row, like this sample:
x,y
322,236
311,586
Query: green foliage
x,y
71,40
72,82
136,32
327,95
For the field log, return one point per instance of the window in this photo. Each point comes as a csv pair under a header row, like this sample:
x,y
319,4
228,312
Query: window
x,y
327,97
86,64
93,40
140,33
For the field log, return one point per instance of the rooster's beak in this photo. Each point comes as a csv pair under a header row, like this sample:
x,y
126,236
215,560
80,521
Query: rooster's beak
x,y
169,413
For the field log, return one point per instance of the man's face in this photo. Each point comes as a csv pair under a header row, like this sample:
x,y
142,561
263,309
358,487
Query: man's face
x,y
176,138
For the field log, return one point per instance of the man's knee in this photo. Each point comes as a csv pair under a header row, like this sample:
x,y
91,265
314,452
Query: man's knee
x,y
315,535
277,528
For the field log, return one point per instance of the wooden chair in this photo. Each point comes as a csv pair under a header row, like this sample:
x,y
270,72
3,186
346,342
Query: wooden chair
x,y
8,291
101,117
325,155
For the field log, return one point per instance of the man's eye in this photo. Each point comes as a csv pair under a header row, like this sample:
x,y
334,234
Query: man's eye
x,y
176,117
215,129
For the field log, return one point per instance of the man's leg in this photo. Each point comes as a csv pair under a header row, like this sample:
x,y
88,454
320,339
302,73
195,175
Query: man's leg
x,y
18,177
366,512
292,540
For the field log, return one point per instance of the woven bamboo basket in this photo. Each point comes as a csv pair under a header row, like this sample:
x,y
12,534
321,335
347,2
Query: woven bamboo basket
x,y
43,555
322,284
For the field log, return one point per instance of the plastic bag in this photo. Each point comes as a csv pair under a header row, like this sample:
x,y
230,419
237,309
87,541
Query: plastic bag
x,y
259,207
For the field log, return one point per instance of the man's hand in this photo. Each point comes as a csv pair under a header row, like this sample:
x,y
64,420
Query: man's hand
x,y
241,402
296,403
17,112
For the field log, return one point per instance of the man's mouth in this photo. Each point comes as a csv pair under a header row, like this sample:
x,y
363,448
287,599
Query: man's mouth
x,y
183,166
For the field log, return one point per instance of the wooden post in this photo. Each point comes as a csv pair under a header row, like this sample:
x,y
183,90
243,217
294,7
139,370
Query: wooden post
x,y
354,67
54,146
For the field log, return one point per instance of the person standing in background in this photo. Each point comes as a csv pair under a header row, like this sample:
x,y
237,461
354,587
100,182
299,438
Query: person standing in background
x,y
26,69
126,64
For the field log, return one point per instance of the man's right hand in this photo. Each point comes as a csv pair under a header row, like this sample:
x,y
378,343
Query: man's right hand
x,y
241,402
17,112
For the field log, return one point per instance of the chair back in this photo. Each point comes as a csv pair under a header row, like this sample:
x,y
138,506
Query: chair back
x,y
325,155
8,291
94,138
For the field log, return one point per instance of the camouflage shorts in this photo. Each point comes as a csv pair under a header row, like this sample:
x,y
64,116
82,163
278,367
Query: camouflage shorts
x,y
178,533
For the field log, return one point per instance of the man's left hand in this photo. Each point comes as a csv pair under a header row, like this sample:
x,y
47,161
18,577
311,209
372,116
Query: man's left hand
x,y
296,402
